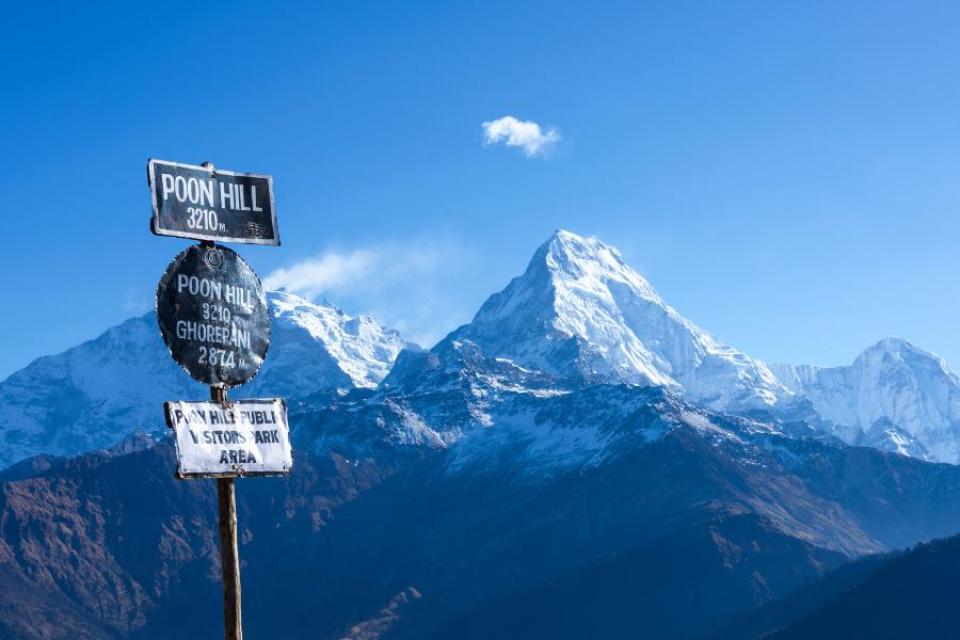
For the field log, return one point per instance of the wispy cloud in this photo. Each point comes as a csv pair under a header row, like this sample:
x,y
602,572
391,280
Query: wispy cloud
x,y
413,286
526,134
331,271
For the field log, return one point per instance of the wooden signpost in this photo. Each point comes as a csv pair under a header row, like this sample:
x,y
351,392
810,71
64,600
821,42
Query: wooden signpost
x,y
214,319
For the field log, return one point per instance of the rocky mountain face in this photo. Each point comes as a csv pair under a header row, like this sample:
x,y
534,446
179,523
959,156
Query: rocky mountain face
x,y
580,312
670,509
92,395
107,544
894,396
318,347
579,316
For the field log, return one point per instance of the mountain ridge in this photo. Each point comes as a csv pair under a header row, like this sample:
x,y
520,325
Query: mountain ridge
x,y
579,311
96,393
578,315
727,504
894,396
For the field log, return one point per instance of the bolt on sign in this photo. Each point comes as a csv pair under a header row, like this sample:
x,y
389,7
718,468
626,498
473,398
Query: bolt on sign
x,y
213,315
248,438
191,201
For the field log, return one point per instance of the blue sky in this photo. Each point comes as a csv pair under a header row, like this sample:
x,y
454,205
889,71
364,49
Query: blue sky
x,y
786,176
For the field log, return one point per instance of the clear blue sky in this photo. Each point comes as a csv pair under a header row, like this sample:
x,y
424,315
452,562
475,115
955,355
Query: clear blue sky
x,y
786,176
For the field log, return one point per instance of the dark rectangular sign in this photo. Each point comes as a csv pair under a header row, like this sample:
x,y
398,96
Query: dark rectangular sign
x,y
191,201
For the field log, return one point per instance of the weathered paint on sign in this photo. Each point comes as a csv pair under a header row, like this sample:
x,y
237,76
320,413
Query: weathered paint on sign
x,y
241,438
191,201
213,315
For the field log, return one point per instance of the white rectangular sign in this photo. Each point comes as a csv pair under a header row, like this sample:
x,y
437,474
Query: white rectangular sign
x,y
245,438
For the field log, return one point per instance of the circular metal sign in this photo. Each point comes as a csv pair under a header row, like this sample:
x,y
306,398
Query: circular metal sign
x,y
213,315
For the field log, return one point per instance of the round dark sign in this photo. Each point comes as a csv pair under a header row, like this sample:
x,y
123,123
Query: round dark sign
x,y
213,315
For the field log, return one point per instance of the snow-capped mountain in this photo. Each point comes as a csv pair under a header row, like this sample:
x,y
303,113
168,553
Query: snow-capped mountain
x,y
557,445
356,351
894,396
579,315
94,394
580,312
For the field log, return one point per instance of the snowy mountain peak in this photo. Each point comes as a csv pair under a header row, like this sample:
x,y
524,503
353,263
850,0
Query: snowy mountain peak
x,y
892,391
361,347
580,311
96,393
892,344
585,262
891,351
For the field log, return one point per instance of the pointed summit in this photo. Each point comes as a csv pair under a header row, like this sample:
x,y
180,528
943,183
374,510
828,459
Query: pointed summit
x,y
580,311
570,257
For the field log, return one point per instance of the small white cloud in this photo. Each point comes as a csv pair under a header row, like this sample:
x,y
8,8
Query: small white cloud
x,y
519,133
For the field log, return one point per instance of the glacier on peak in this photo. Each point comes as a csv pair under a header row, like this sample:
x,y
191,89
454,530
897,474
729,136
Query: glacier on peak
x,y
579,311
894,396
361,348
579,314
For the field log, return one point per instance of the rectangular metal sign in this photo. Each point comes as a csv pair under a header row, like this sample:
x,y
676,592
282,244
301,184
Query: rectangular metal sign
x,y
190,201
247,438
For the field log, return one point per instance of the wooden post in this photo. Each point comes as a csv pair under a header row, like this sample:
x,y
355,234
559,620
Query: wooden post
x,y
229,551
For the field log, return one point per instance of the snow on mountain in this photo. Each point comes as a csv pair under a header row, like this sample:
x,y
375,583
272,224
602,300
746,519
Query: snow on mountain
x,y
578,321
578,316
357,351
580,312
894,396
94,394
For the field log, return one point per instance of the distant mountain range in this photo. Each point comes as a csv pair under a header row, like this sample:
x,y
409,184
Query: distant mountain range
x,y
894,396
578,461
579,315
